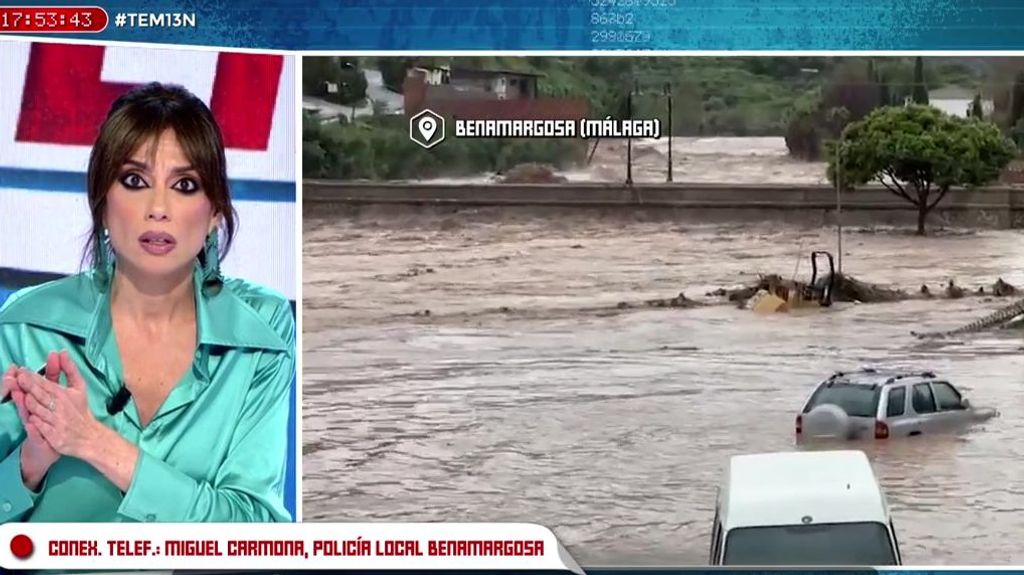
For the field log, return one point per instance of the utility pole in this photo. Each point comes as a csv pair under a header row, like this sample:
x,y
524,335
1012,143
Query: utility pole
x,y
839,205
668,93
629,140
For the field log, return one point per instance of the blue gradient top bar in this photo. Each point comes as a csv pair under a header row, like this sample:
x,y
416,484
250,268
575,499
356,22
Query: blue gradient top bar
x,y
548,25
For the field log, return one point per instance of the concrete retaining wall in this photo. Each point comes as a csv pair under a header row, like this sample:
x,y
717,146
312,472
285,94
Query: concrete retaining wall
x,y
1000,207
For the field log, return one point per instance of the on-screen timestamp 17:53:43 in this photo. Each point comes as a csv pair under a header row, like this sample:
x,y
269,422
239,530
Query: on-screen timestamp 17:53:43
x,y
52,19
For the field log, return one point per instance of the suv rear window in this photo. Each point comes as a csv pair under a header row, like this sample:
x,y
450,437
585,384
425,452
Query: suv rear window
x,y
856,400
897,402
847,544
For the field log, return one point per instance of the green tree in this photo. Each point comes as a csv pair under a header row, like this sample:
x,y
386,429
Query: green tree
x,y
852,86
352,83
836,120
976,111
1016,100
920,93
884,94
393,71
919,153
1017,133
315,72
852,91
345,75
802,136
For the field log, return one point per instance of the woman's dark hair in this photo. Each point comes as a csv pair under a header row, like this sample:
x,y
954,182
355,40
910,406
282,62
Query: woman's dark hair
x,y
142,114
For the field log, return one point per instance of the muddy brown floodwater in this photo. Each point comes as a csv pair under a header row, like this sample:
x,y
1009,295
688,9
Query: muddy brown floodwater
x,y
612,426
740,160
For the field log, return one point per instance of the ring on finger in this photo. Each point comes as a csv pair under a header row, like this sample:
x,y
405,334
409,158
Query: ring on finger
x,y
53,403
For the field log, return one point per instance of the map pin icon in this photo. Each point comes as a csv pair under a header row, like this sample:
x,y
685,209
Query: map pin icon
x,y
427,126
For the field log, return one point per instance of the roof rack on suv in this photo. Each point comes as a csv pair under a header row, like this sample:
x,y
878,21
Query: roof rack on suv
x,y
923,374
871,370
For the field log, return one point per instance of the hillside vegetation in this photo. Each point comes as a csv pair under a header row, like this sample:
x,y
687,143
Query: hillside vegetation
x,y
806,99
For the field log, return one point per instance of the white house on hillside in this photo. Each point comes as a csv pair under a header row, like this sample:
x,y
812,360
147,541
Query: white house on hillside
x,y
956,101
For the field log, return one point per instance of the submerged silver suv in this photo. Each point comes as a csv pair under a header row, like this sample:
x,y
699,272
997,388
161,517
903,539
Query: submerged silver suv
x,y
882,404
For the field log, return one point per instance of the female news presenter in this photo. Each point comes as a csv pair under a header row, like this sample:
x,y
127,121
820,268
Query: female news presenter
x,y
178,380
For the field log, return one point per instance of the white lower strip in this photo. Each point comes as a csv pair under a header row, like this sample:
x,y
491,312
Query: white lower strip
x,y
519,546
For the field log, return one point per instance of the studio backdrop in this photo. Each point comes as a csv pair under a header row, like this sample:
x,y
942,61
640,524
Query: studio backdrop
x,y
53,99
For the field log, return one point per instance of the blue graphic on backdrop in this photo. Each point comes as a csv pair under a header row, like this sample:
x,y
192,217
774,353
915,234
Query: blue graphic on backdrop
x,y
573,24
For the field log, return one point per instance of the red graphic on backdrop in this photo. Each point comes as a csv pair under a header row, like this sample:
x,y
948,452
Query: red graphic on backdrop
x,y
244,95
64,101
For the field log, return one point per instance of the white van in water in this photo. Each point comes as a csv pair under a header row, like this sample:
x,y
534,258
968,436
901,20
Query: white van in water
x,y
811,508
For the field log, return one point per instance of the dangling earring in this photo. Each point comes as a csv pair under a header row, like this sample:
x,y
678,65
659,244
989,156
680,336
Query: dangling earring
x,y
103,255
211,263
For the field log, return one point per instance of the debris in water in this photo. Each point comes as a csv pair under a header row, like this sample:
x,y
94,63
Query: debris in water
x,y
531,173
1010,316
1001,288
680,301
848,289
416,271
845,289
954,291
851,290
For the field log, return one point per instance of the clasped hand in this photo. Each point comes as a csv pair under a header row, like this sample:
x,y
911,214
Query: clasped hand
x,y
57,419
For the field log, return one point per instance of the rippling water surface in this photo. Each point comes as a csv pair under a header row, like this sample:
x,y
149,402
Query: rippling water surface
x,y
527,395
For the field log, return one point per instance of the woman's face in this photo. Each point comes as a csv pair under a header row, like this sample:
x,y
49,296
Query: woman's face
x,y
157,212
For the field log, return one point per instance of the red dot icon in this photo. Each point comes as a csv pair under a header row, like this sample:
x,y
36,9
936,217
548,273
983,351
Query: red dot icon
x,y
21,546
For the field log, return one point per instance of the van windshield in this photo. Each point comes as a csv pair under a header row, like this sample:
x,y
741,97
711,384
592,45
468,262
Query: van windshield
x,y
838,544
855,400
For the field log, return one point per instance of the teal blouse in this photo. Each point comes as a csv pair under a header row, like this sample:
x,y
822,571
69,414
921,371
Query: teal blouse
x,y
214,451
